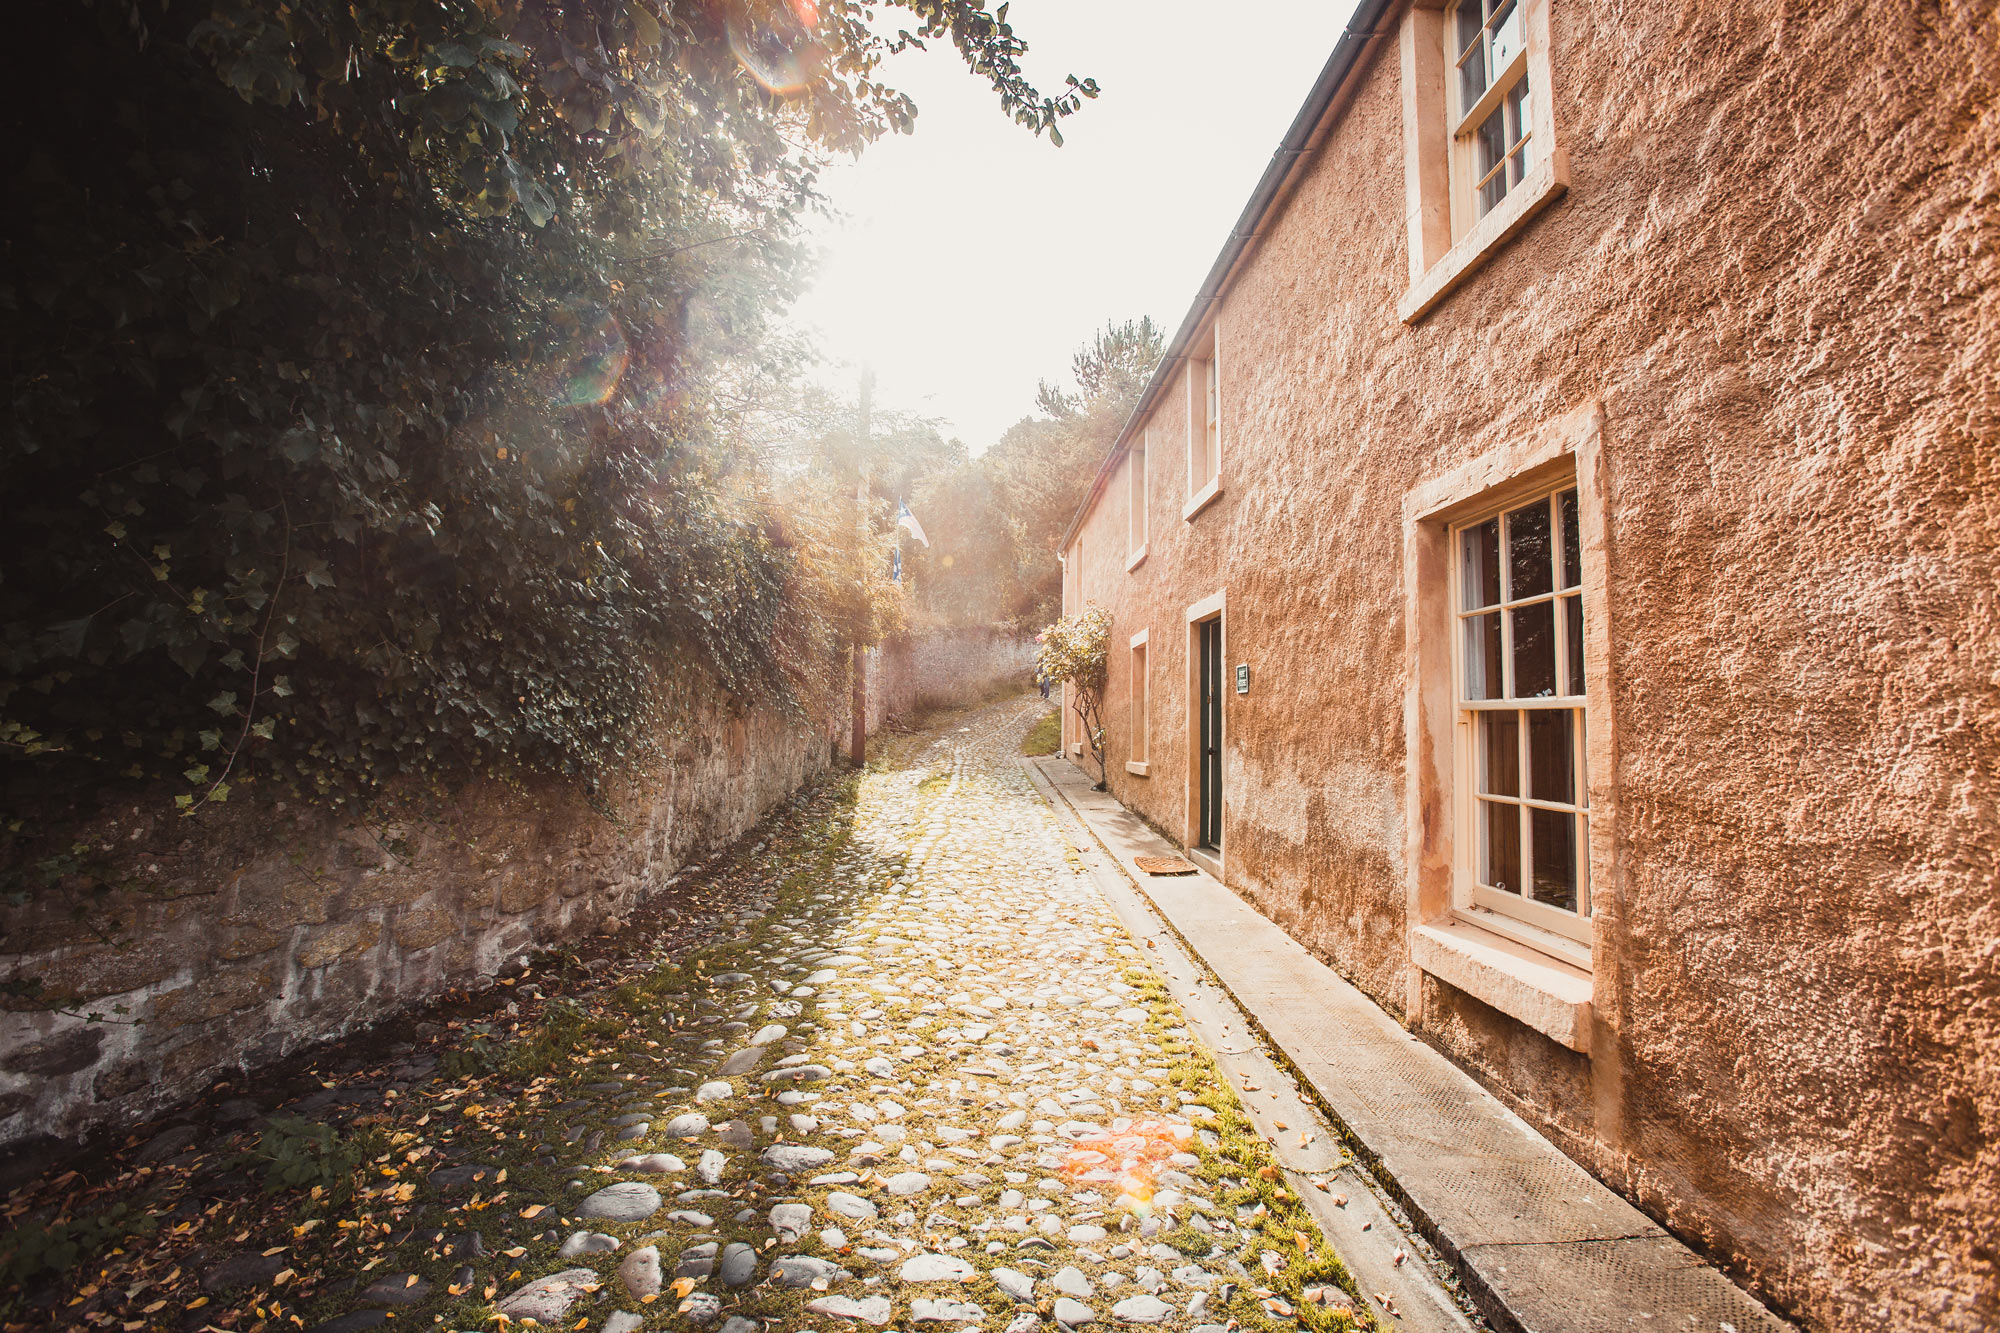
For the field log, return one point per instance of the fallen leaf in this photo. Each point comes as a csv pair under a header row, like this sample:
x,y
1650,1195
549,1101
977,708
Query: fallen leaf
x,y
682,1286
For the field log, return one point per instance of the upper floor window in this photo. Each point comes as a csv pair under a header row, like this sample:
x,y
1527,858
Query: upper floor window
x,y
1493,111
1480,149
1211,414
1524,792
1136,496
1204,380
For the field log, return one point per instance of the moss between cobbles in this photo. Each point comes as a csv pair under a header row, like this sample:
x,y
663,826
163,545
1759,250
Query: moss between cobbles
x,y
1286,1229
1045,737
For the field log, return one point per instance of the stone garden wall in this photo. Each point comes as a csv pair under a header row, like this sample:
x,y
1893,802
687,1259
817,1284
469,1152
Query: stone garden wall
x,y
909,675
270,927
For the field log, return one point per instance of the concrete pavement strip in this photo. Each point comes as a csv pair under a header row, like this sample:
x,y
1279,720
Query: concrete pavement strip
x,y
1538,1243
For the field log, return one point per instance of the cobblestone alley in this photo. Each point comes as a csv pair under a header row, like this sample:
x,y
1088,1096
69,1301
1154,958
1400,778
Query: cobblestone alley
x,y
916,1075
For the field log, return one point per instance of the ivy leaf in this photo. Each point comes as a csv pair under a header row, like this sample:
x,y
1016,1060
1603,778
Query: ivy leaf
x,y
224,703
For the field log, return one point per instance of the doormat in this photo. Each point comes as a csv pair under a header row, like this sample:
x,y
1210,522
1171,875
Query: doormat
x,y
1164,865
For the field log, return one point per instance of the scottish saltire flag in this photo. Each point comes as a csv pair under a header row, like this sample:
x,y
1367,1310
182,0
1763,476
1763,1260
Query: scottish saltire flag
x,y
905,519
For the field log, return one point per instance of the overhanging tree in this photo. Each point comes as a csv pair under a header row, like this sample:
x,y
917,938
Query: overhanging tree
x,y
377,371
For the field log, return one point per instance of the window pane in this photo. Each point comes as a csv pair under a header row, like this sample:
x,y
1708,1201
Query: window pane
x,y
1554,853
1482,657
1530,567
1573,646
1572,572
1489,147
1472,46
1509,36
1500,846
1534,650
1479,564
1551,748
1499,761
1518,125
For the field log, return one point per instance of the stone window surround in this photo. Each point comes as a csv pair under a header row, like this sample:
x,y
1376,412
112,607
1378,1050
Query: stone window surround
x,y
1142,700
1545,981
1203,489
1208,608
1446,243
1139,495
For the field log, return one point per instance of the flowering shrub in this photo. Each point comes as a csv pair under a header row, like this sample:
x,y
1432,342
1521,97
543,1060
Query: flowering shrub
x,y
1075,651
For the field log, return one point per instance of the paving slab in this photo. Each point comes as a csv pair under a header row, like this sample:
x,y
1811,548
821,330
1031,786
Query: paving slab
x,y
1540,1243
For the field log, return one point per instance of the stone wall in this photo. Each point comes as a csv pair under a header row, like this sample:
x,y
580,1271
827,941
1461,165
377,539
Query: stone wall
x,y
1787,327
267,928
907,675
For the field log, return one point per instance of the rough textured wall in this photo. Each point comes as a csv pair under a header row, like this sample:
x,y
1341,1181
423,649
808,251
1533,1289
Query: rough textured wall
x,y
1775,268
908,675
268,929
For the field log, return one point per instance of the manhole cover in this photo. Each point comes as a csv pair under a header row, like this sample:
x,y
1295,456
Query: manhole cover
x,y
1164,865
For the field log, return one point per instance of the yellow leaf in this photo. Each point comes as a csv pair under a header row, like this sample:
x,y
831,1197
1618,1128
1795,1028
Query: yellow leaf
x,y
683,1285
534,1210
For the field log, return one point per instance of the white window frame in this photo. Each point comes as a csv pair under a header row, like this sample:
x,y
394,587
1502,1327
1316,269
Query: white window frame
x,y
1467,120
1138,497
1449,240
1141,702
1205,409
1470,895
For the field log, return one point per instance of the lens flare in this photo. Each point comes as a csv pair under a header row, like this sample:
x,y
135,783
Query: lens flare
x,y
781,62
1128,1159
600,362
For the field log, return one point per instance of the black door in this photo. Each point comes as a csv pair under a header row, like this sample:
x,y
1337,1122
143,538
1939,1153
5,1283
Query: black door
x,y
1211,732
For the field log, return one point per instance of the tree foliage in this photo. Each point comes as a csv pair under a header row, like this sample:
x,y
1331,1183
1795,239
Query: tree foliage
x,y
1076,651
379,372
995,521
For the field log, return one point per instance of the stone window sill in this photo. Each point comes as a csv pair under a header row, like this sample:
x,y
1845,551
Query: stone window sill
x,y
1202,498
1544,185
1139,767
1136,559
1547,994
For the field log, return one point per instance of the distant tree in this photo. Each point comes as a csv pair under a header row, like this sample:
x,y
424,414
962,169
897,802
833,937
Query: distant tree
x,y
1110,371
1043,466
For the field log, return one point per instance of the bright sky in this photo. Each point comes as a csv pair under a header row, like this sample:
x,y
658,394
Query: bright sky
x,y
970,259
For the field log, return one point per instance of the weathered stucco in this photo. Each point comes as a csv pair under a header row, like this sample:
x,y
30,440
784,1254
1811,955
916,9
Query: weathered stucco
x,y
1774,271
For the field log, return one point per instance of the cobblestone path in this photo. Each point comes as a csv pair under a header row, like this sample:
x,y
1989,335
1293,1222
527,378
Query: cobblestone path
x,y
935,1086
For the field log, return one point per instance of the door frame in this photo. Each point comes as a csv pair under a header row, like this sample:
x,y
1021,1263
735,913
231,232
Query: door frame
x,y
1211,860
